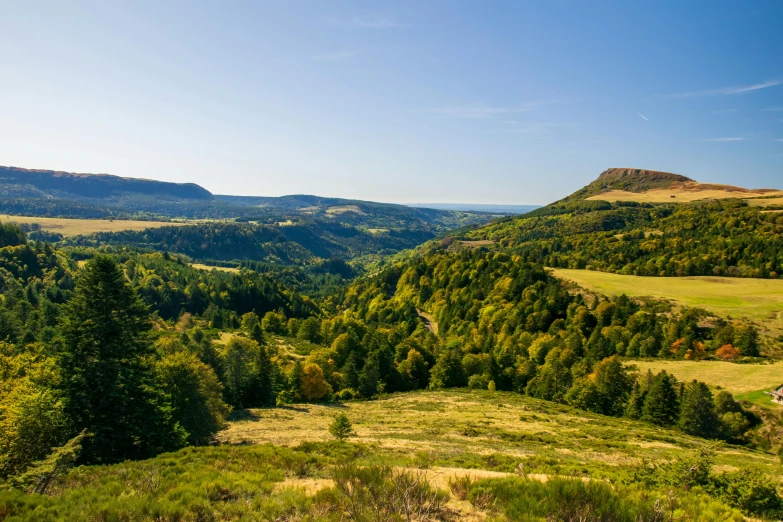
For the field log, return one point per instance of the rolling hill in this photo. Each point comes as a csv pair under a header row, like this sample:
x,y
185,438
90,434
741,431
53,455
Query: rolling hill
x,y
47,193
18,182
648,186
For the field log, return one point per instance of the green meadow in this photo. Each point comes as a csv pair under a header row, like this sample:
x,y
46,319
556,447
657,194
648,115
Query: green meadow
x,y
758,300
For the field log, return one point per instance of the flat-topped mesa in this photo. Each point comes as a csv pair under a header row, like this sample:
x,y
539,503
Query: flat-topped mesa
x,y
635,180
649,186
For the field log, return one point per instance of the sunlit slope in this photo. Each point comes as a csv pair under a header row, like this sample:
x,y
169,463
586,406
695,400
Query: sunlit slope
x,y
486,430
759,300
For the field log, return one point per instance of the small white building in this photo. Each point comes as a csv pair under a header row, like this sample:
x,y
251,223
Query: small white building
x,y
777,395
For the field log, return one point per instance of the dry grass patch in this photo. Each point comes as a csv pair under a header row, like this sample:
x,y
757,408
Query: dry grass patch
x,y
766,202
79,227
685,193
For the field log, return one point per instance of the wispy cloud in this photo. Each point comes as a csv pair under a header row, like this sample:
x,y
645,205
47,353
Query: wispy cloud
x,y
373,22
779,139
481,110
642,116
725,111
772,109
729,90
339,55
723,140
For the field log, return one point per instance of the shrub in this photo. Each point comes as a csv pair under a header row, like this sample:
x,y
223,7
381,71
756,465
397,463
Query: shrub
x,y
727,352
380,493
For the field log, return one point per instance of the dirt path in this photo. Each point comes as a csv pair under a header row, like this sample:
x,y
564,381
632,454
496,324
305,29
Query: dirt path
x,y
429,321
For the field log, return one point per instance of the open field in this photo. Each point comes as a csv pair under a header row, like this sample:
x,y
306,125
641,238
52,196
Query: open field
x,y
735,378
486,430
759,300
342,209
78,227
686,193
477,243
229,269
766,202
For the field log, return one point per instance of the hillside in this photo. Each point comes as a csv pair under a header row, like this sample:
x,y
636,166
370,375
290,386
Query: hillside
x,y
53,194
627,180
724,236
487,456
32,183
648,186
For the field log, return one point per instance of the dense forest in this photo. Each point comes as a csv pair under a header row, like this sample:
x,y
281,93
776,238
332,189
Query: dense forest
x,y
725,237
290,244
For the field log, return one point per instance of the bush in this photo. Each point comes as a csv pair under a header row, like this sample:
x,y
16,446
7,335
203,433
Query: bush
x,y
565,499
380,493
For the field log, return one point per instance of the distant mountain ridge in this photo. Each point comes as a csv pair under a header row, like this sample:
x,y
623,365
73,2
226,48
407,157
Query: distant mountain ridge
x,y
56,194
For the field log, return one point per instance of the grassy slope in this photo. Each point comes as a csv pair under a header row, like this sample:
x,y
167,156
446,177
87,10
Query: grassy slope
x,y
759,300
445,435
736,378
685,195
486,430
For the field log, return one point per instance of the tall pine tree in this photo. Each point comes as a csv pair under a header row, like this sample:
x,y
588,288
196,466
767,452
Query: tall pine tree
x,y
697,411
662,404
108,377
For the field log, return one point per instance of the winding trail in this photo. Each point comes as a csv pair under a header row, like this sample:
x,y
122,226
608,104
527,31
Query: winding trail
x,y
429,321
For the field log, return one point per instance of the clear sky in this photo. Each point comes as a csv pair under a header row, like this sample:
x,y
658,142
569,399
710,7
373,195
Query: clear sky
x,y
452,101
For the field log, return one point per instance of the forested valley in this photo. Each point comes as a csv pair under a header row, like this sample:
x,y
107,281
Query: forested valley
x,y
112,353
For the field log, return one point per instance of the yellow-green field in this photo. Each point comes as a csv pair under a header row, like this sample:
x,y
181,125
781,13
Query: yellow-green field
x,y
486,430
759,300
78,227
735,378
208,268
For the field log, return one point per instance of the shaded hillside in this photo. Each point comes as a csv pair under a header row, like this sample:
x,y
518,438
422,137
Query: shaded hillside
x,y
369,214
18,182
289,245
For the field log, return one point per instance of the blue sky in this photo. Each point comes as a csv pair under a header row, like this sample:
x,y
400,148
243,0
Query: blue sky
x,y
483,102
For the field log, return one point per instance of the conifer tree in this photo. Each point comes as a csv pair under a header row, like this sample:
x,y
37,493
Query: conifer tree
x,y
697,411
108,378
662,405
265,378
341,428
633,409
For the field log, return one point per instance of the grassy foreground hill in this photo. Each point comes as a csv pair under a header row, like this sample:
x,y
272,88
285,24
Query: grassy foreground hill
x,y
452,455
